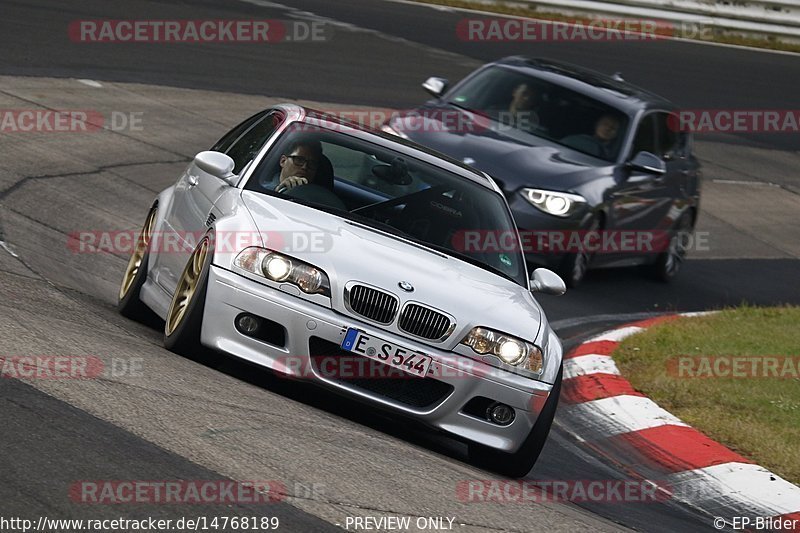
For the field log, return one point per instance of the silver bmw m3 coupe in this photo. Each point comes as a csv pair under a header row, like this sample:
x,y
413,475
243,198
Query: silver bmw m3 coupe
x,y
330,253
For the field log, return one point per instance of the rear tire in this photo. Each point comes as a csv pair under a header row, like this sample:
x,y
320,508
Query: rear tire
x,y
184,320
519,463
128,304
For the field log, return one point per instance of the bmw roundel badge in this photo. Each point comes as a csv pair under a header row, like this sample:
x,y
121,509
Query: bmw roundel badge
x,y
406,286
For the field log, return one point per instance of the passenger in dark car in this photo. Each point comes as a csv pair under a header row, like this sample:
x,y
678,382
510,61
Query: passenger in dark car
x,y
601,143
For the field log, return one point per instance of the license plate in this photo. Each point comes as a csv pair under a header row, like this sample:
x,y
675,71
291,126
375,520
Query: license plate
x,y
414,363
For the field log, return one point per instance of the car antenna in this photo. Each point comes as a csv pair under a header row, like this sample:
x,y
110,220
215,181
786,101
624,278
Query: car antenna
x,y
618,76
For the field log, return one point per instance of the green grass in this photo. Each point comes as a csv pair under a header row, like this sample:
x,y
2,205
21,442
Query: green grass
x,y
531,11
759,417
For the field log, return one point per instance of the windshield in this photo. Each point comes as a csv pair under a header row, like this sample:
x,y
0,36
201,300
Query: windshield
x,y
401,196
544,109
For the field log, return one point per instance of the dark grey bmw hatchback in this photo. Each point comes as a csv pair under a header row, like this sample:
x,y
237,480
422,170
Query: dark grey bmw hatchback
x,y
597,172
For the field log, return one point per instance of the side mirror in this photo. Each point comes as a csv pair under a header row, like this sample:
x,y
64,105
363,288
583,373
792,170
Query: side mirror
x,y
217,164
647,162
436,86
547,282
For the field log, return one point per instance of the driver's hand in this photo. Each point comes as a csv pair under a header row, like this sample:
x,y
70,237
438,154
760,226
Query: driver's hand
x,y
290,183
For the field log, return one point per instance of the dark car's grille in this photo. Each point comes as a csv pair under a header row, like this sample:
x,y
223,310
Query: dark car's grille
x,y
374,304
424,322
413,391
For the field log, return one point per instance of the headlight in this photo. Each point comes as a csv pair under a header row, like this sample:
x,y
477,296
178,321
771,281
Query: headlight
x,y
386,128
509,349
560,204
276,267
281,268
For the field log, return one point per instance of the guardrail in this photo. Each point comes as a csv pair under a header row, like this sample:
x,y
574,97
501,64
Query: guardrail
x,y
768,18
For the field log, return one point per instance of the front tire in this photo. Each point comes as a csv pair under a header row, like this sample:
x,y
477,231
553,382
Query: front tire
x,y
128,303
185,315
575,265
519,463
669,262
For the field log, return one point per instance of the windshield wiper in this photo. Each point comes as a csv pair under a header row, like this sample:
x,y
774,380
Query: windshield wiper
x,y
360,219
399,199
382,226
465,108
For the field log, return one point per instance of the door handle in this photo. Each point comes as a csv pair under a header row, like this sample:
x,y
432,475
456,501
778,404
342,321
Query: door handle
x,y
193,180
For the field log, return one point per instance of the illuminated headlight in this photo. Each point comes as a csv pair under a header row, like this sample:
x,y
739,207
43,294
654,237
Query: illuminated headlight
x,y
276,267
509,349
560,204
386,128
281,268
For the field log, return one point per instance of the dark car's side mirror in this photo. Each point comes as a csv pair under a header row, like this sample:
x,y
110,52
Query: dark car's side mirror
x,y
436,86
647,162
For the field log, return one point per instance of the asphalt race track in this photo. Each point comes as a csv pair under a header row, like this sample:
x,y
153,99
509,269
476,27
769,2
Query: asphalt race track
x,y
211,418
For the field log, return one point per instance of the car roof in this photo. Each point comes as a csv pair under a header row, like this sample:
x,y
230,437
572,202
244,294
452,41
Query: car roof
x,y
608,89
410,148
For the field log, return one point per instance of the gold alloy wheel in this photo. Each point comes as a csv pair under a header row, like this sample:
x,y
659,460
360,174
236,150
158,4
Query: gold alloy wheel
x,y
135,261
186,288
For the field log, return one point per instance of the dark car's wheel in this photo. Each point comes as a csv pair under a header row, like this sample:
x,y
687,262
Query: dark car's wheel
x,y
668,263
519,463
185,314
128,303
575,265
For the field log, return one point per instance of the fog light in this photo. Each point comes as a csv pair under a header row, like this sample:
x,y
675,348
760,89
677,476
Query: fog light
x,y
247,324
500,413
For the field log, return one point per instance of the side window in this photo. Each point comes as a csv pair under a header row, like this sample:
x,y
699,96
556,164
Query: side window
x,y
223,144
645,139
245,148
668,137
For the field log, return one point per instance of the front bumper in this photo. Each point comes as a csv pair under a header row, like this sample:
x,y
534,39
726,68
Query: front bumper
x,y
308,324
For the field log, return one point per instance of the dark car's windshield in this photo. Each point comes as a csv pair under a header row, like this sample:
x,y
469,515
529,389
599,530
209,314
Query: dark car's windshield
x,y
544,109
391,192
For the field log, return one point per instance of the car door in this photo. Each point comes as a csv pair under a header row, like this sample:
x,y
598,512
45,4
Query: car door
x,y
681,167
193,208
641,200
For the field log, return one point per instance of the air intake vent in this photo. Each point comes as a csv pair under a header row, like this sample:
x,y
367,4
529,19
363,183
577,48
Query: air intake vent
x,y
424,322
373,304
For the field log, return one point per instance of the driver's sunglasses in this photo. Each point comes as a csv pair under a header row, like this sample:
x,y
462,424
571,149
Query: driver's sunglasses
x,y
301,161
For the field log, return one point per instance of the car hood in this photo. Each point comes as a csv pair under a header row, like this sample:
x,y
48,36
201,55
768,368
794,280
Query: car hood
x,y
515,159
349,251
